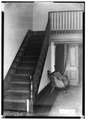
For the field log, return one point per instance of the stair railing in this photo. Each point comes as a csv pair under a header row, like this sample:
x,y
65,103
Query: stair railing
x,y
35,80
66,21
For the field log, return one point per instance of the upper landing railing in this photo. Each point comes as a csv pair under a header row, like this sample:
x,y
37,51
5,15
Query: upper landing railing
x,y
66,21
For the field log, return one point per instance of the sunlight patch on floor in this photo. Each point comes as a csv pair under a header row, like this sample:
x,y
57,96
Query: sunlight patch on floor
x,y
67,112
68,103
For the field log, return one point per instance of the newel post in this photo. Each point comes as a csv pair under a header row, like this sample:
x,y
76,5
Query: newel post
x,y
31,96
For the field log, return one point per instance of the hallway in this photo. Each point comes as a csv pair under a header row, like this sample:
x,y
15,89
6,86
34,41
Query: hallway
x,y
68,103
62,103
58,103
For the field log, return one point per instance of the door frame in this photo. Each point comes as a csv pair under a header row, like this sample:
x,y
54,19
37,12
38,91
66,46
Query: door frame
x,y
53,56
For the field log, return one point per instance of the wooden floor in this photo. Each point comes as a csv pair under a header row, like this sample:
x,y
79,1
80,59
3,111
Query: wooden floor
x,y
54,104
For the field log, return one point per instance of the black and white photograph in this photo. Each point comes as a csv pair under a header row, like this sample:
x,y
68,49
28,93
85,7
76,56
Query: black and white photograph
x,y
43,59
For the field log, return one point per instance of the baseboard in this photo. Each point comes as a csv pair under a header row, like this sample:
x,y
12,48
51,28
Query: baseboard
x,y
43,94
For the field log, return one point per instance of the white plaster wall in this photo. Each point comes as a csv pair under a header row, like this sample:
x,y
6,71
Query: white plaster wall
x,y
41,9
47,66
18,19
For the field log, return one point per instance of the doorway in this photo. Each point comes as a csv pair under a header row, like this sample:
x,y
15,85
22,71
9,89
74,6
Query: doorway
x,y
68,60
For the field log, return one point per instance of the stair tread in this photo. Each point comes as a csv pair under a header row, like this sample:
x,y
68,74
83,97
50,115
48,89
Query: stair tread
x,y
27,61
34,46
20,91
21,74
27,68
16,82
14,100
19,79
30,56
30,41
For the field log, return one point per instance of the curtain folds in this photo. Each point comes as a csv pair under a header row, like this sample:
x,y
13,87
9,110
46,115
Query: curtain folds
x,y
61,57
66,52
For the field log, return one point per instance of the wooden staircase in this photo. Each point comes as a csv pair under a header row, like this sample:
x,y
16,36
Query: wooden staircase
x,y
19,87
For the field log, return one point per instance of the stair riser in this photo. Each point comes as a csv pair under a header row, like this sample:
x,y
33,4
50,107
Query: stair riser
x,y
17,95
32,48
28,53
16,86
21,80
31,54
28,59
37,38
32,44
32,65
22,77
25,71
35,43
15,106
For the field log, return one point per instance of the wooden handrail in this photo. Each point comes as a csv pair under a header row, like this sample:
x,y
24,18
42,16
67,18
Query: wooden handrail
x,y
38,72
66,11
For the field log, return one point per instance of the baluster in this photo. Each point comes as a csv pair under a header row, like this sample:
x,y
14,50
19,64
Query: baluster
x,y
67,21
79,20
73,21
59,21
56,22
53,22
76,20
62,21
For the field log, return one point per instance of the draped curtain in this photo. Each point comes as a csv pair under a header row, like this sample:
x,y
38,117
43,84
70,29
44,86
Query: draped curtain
x,y
61,56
